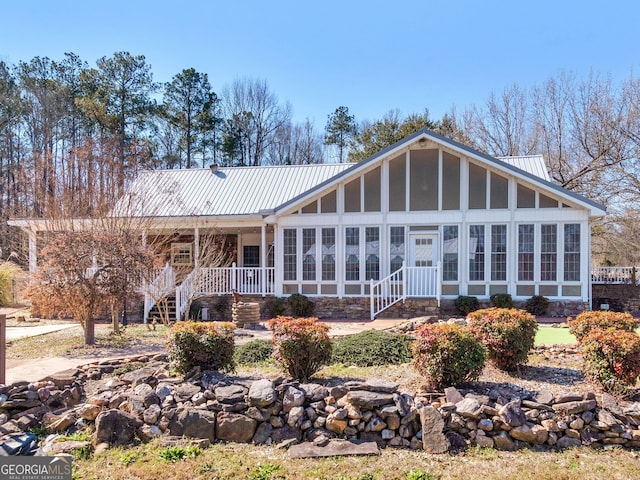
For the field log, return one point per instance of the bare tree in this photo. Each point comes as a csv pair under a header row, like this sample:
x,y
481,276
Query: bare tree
x,y
503,126
255,112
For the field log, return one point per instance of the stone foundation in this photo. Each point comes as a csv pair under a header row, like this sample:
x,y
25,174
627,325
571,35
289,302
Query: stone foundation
x,y
352,308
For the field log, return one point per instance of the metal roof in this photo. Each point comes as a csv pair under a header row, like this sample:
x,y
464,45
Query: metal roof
x,y
533,164
228,191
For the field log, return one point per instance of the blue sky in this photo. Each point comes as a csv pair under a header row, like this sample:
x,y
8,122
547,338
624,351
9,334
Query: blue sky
x,y
370,56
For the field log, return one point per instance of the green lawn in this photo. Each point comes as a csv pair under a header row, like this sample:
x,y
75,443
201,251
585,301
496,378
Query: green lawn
x,y
554,336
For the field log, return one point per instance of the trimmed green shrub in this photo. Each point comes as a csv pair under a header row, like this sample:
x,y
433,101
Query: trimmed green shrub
x,y
466,305
587,321
301,345
447,354
501,300
612,358
255,351
301,306
372,347
537,305
273,307
508,335
206,345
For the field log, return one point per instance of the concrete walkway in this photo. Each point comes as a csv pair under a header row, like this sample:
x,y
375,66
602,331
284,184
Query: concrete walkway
x,y
14,333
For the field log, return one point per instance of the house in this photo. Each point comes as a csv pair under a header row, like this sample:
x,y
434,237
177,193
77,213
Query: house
x,y
426,219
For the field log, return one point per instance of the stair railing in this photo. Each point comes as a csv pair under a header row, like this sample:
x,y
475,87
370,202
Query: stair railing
x,y
159,287
185,292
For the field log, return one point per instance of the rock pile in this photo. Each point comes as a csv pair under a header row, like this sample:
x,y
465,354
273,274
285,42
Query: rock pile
x,y
138,398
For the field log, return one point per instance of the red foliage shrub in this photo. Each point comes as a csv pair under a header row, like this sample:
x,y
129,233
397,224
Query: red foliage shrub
x,y
508,334
301,345
612,358
447,354
587,321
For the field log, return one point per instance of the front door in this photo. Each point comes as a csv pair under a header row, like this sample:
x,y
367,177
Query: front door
x,y
423,252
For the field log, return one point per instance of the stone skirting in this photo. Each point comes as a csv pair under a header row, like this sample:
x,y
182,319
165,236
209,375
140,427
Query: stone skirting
x,y
357,308
354,308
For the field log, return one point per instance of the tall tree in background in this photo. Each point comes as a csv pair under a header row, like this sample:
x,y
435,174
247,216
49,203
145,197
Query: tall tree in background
x,y
189,104
374,136
340,130
254,115
118,99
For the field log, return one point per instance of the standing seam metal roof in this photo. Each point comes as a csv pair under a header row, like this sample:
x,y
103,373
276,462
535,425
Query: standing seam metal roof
x,y
529,163
229,191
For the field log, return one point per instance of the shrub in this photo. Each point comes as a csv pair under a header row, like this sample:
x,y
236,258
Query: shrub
x,y
273,307
508,335
301,345
207,345
255,351
466,305
612,358
372,347
222,306
501,300
587,321
447,354
537,305
300,305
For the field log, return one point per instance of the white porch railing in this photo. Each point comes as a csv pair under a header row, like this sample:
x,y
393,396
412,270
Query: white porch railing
x,y
162,285
619,275
205,281
244,280
422,282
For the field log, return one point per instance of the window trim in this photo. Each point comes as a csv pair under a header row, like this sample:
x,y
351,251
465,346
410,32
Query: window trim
x,y
176,254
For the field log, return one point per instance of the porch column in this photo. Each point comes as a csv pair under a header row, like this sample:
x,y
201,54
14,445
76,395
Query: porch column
x,y
196,247
263,259
33,256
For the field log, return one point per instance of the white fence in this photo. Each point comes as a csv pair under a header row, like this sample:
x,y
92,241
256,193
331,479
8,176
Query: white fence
x,y
614,275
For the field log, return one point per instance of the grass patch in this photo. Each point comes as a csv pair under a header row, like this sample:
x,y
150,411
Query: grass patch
x,y
554,336
234,461
70,342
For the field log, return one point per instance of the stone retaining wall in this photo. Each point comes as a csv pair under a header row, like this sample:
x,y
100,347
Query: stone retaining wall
x,y
146,402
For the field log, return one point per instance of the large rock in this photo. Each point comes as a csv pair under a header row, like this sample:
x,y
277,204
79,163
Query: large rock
x,y
523,433
433,440
230,394
141,375
503,441
198,423
314,392
262,393
234,427
469,408
263,432
572,408
115,427
512,414
185,391
368,400
292,398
